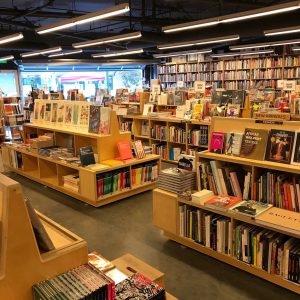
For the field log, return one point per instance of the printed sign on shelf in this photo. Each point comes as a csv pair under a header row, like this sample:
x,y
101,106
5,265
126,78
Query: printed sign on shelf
x,y
199,86
289,85
155,89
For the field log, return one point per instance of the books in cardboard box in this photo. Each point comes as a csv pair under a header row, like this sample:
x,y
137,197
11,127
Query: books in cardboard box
x,y
254,143
280,146
250,208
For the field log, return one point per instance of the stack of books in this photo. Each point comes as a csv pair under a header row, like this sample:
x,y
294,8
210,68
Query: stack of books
x,y
72,182
176,180
83,282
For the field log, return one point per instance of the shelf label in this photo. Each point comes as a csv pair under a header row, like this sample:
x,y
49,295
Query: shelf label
x,y
270,122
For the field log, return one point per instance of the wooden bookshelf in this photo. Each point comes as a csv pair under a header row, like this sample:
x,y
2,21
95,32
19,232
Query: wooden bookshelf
x,y
49,172
166,217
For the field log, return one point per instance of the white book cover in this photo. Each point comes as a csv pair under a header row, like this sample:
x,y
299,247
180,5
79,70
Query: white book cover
x,y
68,114
42,108
84,116
47,115
60,113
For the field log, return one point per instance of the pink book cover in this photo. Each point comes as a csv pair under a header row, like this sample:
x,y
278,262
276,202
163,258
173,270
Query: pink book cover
x,y
217,142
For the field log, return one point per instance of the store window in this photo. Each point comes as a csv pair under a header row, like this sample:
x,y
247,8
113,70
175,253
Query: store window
x,y
9,83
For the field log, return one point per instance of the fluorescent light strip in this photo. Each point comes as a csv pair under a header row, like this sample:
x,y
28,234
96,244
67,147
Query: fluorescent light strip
x,y
11,38
41,52
65,53
250,46
90,17
182,53
241,53
281,31
112,39
10,57
199,42
286,42
118,53
296,49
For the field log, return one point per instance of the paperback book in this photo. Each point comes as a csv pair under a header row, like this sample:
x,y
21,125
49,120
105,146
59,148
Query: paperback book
x,y
251,207
296,150
222,202
68,114
54,112
105,116
94,124
233,110
47,118
217,142
233,143
86,155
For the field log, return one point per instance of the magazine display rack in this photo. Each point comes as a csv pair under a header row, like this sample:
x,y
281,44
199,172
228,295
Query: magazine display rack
x,y
50,172
166,214
22,264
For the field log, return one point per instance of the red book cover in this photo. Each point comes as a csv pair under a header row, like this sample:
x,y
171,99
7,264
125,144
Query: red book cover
x,y
100,187
285,202
289,197
296,195
222,201
217,142
124,148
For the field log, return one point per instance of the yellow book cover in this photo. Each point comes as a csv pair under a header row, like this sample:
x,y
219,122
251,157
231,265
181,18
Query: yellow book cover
x,y
112,162
198,111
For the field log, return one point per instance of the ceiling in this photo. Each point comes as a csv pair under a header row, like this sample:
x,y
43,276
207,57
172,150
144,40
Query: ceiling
x,y
145,15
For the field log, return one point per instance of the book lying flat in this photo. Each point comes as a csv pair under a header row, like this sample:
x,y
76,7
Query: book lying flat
x,y
251,208
222,202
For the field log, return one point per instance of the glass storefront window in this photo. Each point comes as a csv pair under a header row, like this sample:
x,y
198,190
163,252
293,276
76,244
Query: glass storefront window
x,y
9,83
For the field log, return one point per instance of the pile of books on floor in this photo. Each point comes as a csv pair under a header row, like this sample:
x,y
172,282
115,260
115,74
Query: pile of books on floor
x,y
176,180
72,182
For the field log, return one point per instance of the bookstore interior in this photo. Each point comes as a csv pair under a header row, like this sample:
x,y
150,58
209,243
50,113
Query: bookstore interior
x,y
149,150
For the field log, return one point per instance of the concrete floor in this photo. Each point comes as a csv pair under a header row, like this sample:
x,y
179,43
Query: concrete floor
x,y
126,227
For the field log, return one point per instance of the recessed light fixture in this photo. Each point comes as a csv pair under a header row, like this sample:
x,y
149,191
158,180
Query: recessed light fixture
x,y
11,38
41,52
111,39
118,53
200,42
241,16
90,17
171,54
65,53
282,31
9,57
241,53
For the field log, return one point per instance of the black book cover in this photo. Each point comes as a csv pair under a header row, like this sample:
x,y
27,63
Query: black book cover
x,y
86,155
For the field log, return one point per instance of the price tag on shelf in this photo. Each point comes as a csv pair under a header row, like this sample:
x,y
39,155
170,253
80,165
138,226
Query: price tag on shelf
x,y
180,84
199,86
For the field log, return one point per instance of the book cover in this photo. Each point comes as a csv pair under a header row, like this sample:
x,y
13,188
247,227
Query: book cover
x,y
99,262
222,202
233,143
36,110
75,115
94,124
233,110
217,142
47,117
54,112
254,143
148,108
42,111
296,150
198,111
139,149
124,148
251,207
280,146
84,115
68,114
105,116
86,155
60,112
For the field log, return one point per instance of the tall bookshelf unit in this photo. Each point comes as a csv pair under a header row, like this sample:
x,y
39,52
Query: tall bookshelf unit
x,y
50,172
237,73
166,205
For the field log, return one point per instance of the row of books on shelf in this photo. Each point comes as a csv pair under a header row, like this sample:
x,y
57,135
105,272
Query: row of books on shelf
x,y
266,74
72,182
237,75
275,253
12,109
291,73
160,149
177,134
126,126
198,137
14,120
282,146
237,85
159,132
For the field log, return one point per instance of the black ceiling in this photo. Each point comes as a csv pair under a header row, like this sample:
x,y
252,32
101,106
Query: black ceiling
x,y
145,15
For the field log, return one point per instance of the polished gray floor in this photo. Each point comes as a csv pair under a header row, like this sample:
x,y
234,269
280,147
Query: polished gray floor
x,y
126,227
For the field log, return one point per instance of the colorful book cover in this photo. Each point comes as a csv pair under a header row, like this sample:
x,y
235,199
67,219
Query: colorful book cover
x,y
124,148
75,115
54,112
296,150
94,124
60,112
280,146
68,114
222,202
254,143
105,114
47,117
250,207
217,142
233,143
36,110
42,111
198,111
84,115
233,110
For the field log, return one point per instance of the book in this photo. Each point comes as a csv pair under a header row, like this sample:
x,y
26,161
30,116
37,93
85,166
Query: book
x,y
198,111
254,143
84,115
217,142
124,148
250,208
222,202
68,114
42,111
54,112
233,110
105,116
148,108
60,112
94,123
202,196
47,117
116,275
139,149
280,146
75,115
233,143
86,155
296,150
112,162
99,262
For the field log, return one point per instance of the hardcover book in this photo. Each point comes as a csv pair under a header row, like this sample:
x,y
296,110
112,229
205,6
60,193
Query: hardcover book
x,y
296,150
222,202
250,207
217,142
280,146
68,114
54,112
84,115
99,262
139,149
198,111
94,124
105,114
233,110
254,143
60,112
75,115
47,117
124,148
86,155
233,143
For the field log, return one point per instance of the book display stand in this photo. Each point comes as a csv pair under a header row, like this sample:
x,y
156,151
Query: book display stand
x,y
166,205
50,172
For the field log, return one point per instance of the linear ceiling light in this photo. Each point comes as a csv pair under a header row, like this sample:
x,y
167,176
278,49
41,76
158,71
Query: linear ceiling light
x,y
40,52
118,53
280,31
200,42
241,53
296,49
286,42
65,53
249,46
102,14
171,54
112,39
11,38
9,57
